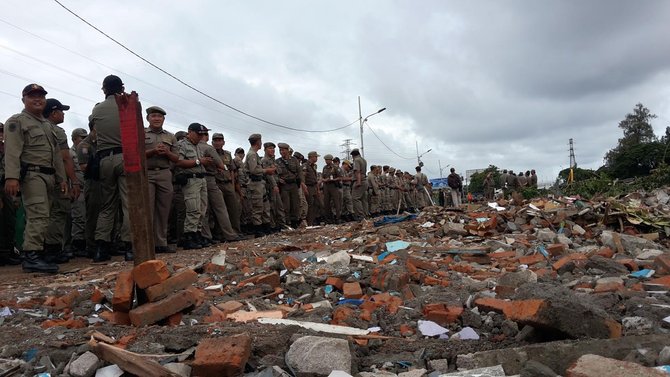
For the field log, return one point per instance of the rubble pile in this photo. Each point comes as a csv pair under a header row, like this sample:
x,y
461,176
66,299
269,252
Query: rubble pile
x,y
552,286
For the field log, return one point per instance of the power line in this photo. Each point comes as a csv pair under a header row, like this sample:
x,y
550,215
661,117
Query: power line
x,y
192,87
387,147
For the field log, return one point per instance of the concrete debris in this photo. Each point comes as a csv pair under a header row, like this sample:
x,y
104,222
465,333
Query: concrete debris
x,y
494,371
597,366
318,356
522,287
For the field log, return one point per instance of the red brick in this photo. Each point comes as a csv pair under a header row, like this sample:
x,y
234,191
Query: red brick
x,y
605,252
150,273
616,331
503,255
97,296
211,268
505,291
341,314
117,318
487,304
422,264
567,259
407,293
155,311
215,315
222,357
291,263
335,282
230,306
352,290
608,287
124,292
665,281
662,263
525,311
389,278
442,314
406,330
628,263
70,323
175,319
556,249
181,280
531,259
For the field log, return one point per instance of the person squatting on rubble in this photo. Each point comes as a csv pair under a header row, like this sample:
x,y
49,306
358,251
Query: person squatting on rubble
x,y
76,200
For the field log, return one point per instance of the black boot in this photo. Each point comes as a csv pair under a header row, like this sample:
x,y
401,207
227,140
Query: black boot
x,y
33,261
189,241
79,248
102,251
127,250
9,258
54,254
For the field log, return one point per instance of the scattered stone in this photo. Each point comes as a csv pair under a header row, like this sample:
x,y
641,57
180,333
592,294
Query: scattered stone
x,y
413,373
439,365
495,371
85,365
598,366
315,355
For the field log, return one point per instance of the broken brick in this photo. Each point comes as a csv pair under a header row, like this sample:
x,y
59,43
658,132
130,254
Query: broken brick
x,y
422,264
341,314
178,281
150,273
567,259
335,282
352,290
155,311
389,278
217,357
628,263
124,292
442,314
230,306
531,259
662,263
117,318
97,296
291,263
605,252
556,249
488,304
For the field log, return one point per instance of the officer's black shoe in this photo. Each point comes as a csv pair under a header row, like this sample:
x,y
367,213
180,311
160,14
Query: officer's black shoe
x,y
9,258
164,250
54,254
33,261
205,242
101,253
189,241
79,248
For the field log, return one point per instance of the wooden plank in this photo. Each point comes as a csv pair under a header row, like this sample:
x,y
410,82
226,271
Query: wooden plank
x,y
134,160
129,361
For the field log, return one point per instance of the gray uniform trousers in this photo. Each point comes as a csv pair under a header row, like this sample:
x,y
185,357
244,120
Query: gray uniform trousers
x,y
114,195
161,193
37,193
217,207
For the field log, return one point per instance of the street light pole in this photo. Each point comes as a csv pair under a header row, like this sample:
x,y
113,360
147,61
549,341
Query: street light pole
x,y
418,156
362,120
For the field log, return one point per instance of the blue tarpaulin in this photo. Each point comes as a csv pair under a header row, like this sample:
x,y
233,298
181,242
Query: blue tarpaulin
x,y
394,219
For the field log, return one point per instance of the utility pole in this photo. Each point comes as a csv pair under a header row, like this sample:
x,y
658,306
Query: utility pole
x,y
360,120
573,163
347,148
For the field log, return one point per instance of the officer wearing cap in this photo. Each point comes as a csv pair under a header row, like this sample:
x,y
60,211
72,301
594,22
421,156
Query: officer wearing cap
x,y
332,198
89,163
161,153
106,121
216,205
385,191
190,173
313,190
226,181
421,188
373,191
241,188
347,179
289,178
76,224
256,185
33,166
303,189
177,208
359,191
7,215
273,208
61,207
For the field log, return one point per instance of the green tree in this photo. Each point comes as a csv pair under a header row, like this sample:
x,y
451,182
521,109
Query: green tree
x,y
476,183
638,151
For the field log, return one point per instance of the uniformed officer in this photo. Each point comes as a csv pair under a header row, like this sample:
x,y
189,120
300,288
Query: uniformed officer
x,y
422,199
313,191
304,207
7,214
33,166
89,162
533,179
54,112
216,205
161,152
227,182
177,208
76,225
242,184
289,177
503,183
332,200
273,208
256,185
347,180
191,175
359,192
105,119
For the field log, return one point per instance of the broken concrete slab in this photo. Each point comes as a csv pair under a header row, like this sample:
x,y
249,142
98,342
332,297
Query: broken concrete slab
x,y
318,356
85,365
597,366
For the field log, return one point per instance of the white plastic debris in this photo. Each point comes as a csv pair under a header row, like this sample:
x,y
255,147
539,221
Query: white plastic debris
x,y
220,258
467,333
109,371
430,328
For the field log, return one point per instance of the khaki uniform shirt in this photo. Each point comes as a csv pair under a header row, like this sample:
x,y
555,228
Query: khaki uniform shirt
x,y
331,171
189,151
207,150
309,171
86,149
152,138
31,140
229,167
289,171
360,165
252,163
105,117
271,180
242,176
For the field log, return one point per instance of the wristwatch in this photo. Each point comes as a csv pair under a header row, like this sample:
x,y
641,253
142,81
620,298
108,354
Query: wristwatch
x,y
197,162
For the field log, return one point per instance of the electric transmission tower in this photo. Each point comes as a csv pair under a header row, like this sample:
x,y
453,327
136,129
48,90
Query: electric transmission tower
x,y
347,148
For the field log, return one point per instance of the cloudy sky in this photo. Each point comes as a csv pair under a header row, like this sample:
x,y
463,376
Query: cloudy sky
x,y
478,82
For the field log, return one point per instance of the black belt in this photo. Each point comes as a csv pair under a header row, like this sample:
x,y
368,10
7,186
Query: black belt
x,y
289,181
157,169
109,152
42,169
193,175
255,178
